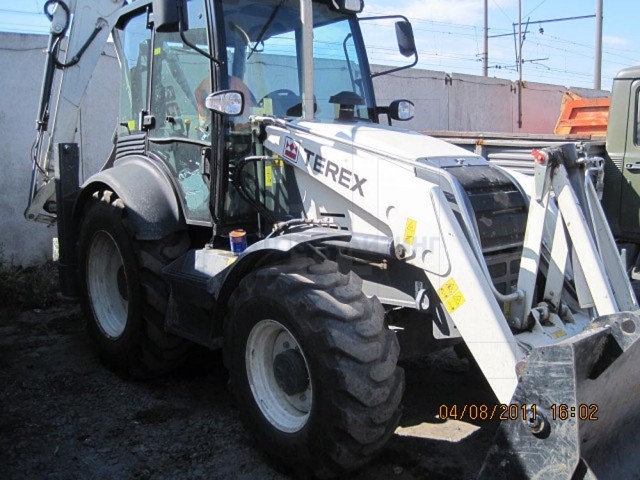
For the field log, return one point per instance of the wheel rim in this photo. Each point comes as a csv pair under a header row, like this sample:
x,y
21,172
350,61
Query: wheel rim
x,y
267,341
107,285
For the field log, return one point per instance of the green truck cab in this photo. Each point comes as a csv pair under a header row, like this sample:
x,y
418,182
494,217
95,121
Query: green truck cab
x,y
621,199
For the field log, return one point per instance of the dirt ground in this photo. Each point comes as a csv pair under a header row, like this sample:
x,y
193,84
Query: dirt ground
x,y
63,416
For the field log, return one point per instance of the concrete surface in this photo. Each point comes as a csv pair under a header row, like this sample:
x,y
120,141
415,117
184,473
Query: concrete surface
x,y
459,102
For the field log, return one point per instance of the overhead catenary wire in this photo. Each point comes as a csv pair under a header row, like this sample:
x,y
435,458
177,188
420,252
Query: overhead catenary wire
x,y
435,43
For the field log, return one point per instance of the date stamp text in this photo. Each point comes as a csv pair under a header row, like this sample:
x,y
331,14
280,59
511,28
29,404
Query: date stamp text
x,y
510,412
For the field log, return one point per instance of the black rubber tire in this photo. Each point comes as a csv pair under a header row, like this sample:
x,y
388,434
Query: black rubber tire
x,y
351,359
129,339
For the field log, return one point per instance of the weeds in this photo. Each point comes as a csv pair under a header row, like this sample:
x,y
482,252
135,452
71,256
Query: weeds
x,y
27,287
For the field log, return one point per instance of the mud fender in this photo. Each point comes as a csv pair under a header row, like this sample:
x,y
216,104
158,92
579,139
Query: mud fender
x,y
147,191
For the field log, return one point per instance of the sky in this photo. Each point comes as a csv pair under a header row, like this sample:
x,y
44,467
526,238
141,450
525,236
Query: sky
x,y
449,36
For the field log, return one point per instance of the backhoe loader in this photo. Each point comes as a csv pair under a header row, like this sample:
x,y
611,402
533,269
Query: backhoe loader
x,y
256,202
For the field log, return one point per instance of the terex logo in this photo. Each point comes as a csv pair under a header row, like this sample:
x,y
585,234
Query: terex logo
x,y
290,150
341,176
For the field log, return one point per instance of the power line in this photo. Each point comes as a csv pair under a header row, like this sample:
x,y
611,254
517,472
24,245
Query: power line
x,y
503,12
441,34
536,7
20,12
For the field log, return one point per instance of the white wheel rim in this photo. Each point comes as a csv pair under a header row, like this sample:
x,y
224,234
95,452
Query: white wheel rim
x,y
287,413
104,263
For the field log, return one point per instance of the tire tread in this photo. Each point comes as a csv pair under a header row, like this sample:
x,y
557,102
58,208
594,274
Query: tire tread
x,y
154,352
358,352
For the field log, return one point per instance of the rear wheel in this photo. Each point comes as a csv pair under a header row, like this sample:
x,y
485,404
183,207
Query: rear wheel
x,y
123,296
313,367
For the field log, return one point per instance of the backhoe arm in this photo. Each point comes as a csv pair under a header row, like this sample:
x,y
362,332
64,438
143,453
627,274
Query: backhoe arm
x,y
88,24
54,178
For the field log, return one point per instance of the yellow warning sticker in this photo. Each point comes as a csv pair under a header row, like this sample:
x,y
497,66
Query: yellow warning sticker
x,y
132,125
267,105
451,296
410,231
448,289
454,302
268,175
157,50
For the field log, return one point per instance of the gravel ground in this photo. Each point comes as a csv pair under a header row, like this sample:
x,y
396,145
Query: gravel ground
x,y
64,416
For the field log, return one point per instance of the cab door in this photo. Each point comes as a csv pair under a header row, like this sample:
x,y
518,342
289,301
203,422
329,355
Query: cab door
x,y
630,194
178,123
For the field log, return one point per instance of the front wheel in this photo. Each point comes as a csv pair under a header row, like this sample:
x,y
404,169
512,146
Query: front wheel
x,y
313,367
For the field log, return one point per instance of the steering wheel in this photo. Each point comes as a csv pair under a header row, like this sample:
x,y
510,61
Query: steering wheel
x,y
283,99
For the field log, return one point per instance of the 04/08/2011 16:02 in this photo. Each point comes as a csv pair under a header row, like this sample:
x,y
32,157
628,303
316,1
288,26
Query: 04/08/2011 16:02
x,y
504,412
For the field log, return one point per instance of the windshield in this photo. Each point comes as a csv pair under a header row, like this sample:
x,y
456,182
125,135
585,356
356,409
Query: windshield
x,y
263,51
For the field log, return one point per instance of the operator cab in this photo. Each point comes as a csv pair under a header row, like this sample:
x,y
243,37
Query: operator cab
x,y
192,78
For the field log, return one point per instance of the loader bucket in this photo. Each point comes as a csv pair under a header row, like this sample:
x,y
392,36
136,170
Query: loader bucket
x,y
586,392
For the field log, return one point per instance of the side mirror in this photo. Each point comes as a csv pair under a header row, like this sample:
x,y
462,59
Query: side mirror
x,y
406,40
226,102
402,110
168,14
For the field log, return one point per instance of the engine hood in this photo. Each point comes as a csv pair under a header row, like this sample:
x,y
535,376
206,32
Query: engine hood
x,y
392,142
340,156
407,145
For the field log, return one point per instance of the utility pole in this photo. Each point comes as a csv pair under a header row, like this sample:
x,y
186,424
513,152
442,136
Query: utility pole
x,y
519,63
597,72
485,55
